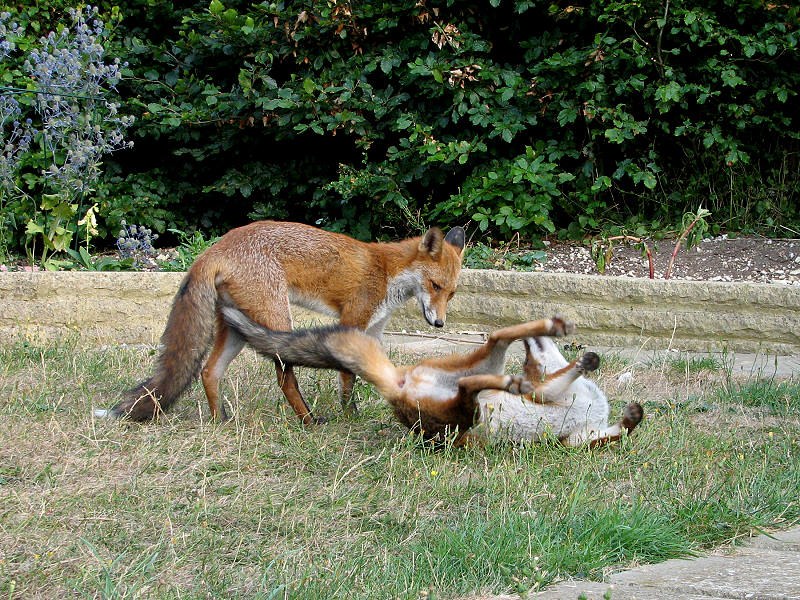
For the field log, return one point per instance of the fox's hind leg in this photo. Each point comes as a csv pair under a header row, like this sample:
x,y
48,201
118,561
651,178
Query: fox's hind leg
x,y
270,308
227,344
631,416
490,358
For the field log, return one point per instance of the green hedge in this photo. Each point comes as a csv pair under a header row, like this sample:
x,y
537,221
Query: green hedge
x,y
518,116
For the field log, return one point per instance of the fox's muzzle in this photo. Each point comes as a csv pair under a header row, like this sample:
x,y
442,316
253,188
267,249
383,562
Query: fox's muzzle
x,y
438,323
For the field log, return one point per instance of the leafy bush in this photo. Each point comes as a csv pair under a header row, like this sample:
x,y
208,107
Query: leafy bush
x,y
66,80
523,116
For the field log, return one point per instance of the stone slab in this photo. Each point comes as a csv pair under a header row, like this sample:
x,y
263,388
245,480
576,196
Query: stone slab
x,y
761,574
103,308
764,568
572,590
784,541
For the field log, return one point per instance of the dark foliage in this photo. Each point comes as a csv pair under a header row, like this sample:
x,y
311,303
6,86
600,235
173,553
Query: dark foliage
x,y
521,116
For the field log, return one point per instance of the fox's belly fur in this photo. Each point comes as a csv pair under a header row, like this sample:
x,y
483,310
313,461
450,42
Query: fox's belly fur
x,y
508,416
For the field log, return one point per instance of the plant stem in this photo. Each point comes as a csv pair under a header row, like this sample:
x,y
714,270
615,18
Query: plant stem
x,y
678,246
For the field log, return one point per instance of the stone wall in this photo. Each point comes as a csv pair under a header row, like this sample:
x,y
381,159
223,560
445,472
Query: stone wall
x,y
114,308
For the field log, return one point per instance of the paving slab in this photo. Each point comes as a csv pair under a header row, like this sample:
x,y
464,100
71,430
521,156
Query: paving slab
x,y
766,568
741,364
753,573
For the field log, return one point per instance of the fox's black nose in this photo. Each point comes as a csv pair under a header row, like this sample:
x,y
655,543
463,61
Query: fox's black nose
x,y
438,323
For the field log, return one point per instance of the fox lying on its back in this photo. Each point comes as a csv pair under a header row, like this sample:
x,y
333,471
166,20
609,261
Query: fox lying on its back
x,y
441,395
576,413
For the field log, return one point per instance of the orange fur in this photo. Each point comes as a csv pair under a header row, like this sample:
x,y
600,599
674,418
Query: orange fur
x,y
261,267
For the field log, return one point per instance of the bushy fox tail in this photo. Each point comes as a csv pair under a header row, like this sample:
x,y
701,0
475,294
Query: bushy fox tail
x,y
334,347
185,341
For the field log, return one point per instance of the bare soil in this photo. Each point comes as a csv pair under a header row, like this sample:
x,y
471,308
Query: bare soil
x,y
721,258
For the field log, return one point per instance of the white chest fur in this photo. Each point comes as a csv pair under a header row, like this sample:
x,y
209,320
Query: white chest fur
x,y
584,407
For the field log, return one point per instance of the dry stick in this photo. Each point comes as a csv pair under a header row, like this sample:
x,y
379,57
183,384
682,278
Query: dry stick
x,y
678,246
436,337
638,241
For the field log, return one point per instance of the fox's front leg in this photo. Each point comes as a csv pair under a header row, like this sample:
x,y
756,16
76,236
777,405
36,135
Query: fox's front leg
x,y
553,386
490,358
355,315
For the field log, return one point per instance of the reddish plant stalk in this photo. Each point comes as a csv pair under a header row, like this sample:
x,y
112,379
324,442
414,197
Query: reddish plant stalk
x,y
678,247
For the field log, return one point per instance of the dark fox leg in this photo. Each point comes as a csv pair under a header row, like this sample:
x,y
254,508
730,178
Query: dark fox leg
x,y
631,416
346,378
490,358
341,348
287,381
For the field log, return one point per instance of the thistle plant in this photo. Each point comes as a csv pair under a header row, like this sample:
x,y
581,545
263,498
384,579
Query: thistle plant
x,y
79,124
15,136
136,242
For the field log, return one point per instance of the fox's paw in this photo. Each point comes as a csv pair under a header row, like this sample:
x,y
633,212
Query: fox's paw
x,y
632,415
588,362
560,326
518,385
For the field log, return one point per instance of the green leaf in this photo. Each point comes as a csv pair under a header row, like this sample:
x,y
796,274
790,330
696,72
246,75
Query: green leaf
x,y
308,85
216,7
249,26
33,228
50,201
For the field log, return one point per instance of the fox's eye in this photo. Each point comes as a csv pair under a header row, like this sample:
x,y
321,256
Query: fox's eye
x,y
435,286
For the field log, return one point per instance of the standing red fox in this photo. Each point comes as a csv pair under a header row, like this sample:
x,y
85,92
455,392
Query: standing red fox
x,y
454,393
263,266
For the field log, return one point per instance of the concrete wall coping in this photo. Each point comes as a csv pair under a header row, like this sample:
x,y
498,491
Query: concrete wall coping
x,y
131,307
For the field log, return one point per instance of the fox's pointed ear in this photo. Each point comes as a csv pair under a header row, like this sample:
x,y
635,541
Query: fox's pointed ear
x,y
455,237
431,243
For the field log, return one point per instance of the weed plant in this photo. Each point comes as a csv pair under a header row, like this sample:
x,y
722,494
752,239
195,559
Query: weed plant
x,y
262,507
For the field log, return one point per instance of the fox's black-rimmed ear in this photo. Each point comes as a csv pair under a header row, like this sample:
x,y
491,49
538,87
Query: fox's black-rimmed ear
x,y
456,237
431,243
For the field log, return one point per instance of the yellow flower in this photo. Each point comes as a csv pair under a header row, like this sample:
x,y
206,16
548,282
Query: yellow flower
x,y
434,473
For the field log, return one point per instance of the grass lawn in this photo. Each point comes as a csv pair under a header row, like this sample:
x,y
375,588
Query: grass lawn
x,y
263,508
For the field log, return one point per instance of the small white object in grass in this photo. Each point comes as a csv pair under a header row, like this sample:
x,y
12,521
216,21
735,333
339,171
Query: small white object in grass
x,y
625,377
101,413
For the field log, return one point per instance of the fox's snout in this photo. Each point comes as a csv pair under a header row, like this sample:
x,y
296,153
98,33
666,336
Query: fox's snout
x,y
438,323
